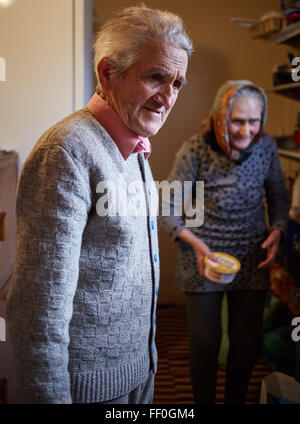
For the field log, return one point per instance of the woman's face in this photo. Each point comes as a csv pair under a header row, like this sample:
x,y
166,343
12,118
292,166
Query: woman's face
x,y
244,122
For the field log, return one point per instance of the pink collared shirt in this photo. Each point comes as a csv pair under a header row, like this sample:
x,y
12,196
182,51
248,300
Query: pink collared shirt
x,y
126,140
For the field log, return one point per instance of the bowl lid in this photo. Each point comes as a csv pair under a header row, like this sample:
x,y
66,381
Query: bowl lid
x,y
226,264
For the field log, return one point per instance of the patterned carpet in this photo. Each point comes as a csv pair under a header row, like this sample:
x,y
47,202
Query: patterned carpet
x,y
173,385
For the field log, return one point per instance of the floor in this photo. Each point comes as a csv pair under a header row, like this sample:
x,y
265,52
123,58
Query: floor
x,y
173,385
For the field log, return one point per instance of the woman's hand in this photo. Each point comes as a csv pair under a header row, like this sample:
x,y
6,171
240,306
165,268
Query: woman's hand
x,y
272,244
201,249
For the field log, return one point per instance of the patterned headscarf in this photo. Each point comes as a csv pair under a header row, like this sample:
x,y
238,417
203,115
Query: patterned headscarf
x,y
217,119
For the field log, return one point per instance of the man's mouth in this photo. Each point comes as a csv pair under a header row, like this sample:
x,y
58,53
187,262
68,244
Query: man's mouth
x,y
157,110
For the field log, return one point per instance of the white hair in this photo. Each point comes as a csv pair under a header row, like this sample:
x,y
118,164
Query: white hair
x,y
246,92
122,38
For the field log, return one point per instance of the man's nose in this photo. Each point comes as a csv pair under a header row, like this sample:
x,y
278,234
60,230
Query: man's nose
x,y
165,96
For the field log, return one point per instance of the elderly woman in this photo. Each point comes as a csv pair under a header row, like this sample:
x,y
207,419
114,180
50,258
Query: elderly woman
x,y
240,169
81,313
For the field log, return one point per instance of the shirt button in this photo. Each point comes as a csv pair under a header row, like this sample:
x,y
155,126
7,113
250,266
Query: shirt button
x,y
154,320
152,225
155,257
153,348
149,191
156,290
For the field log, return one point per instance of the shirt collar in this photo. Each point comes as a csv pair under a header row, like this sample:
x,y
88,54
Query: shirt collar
x,y
126,140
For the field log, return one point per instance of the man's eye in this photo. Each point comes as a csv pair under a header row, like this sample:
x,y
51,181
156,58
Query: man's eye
x,y
155,77
177,85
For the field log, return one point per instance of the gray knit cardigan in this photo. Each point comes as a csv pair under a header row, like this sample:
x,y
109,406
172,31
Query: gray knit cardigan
x,y
81,312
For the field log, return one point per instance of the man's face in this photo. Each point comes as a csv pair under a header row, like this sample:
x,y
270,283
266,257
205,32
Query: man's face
x,y
145,94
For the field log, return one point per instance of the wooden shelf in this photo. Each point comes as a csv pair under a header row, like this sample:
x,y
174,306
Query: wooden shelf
x,y
292,90
289,35
293,154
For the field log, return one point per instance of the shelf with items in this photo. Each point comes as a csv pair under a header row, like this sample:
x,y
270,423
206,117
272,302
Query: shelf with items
x,y
293,154
285,273
291,90
285,287
290,35
285,282
272,30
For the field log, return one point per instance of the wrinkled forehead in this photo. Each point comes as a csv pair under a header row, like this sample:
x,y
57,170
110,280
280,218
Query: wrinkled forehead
x,y
234,91
249,107
159,54
233,88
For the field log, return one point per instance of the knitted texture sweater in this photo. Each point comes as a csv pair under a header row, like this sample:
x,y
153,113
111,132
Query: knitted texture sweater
x,y
81,312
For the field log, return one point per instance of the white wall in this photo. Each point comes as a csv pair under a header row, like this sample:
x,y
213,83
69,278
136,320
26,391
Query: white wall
x,y
47,45
83,52
37,39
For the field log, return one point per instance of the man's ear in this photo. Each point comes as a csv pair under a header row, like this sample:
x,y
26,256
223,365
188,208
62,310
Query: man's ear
x,y
104,69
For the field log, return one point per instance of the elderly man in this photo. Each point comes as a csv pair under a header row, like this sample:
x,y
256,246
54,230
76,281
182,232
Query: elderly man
x,y
81,313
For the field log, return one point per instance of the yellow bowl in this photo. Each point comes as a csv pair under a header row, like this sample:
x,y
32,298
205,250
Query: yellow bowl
x,y
223,271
